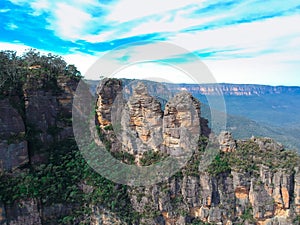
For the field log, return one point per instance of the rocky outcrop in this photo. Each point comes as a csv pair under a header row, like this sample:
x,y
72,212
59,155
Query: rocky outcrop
x,y
229,197
101,216
144,126
145,114
259,193
107,93
226,141
30,124
261,202
41,108
48,113
297,191
141,122
268,144
13,146
182,111
13,155
23,212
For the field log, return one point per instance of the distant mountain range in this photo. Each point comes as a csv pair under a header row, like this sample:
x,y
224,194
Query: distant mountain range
x,y
275,105
251,110
237,89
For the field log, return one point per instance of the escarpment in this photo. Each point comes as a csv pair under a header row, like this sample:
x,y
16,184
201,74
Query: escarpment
x,y
45,180
35,122
251,181
142,126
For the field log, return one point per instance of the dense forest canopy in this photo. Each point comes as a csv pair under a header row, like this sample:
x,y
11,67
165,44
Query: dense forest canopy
x,y
15,69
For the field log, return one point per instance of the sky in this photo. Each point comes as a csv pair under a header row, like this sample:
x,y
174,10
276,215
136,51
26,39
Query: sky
x,y
239,41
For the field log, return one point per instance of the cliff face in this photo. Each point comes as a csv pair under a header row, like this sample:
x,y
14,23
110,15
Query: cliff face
x,y
270,111
250,182
235,89
144,126
31,124
44,179
13,146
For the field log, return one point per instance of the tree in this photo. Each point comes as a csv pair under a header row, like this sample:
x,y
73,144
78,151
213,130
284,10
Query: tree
x,y
71,70
10,71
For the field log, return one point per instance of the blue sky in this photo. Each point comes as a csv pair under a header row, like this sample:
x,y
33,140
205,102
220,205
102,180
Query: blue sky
x,y
241,41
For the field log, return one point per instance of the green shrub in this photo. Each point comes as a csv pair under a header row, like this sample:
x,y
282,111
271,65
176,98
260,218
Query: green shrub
x,y
124,157
219,165
151,157
248,215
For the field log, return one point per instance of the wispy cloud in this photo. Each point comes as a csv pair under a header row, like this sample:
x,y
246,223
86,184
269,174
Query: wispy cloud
x,y
4,10
19,2
214,30
129,10
11,26
69,22
253,37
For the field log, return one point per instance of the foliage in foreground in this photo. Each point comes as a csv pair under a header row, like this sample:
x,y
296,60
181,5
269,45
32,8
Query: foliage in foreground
x,y
59,181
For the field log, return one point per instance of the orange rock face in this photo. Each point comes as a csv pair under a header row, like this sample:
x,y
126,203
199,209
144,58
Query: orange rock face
x,y
196,212
279,211
241,192
286,197
263,222
102,121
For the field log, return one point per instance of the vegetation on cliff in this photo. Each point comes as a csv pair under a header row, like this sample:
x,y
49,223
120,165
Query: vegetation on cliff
x,y
17,70
248,181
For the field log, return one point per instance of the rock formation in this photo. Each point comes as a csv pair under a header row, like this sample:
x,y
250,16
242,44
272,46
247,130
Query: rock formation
x,y
226,141
31,125
107,93
229,197
252,181
13,145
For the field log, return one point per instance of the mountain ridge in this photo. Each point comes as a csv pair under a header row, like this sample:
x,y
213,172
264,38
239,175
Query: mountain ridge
x,y
271,114
44,178
239,89
224,87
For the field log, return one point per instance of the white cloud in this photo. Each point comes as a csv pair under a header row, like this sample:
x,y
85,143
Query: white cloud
x,y
40,6
127,10
166,24
249,8
254,36
19,48
11,26
272,44
259,70
69,22
82,61
154,71
273,47
165,17
101,37
4,10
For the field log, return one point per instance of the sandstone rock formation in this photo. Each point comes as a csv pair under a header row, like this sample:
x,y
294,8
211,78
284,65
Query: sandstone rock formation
x,y
182,111
227,198
144,126
30,125
264,190
226,141
141,122
107,93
